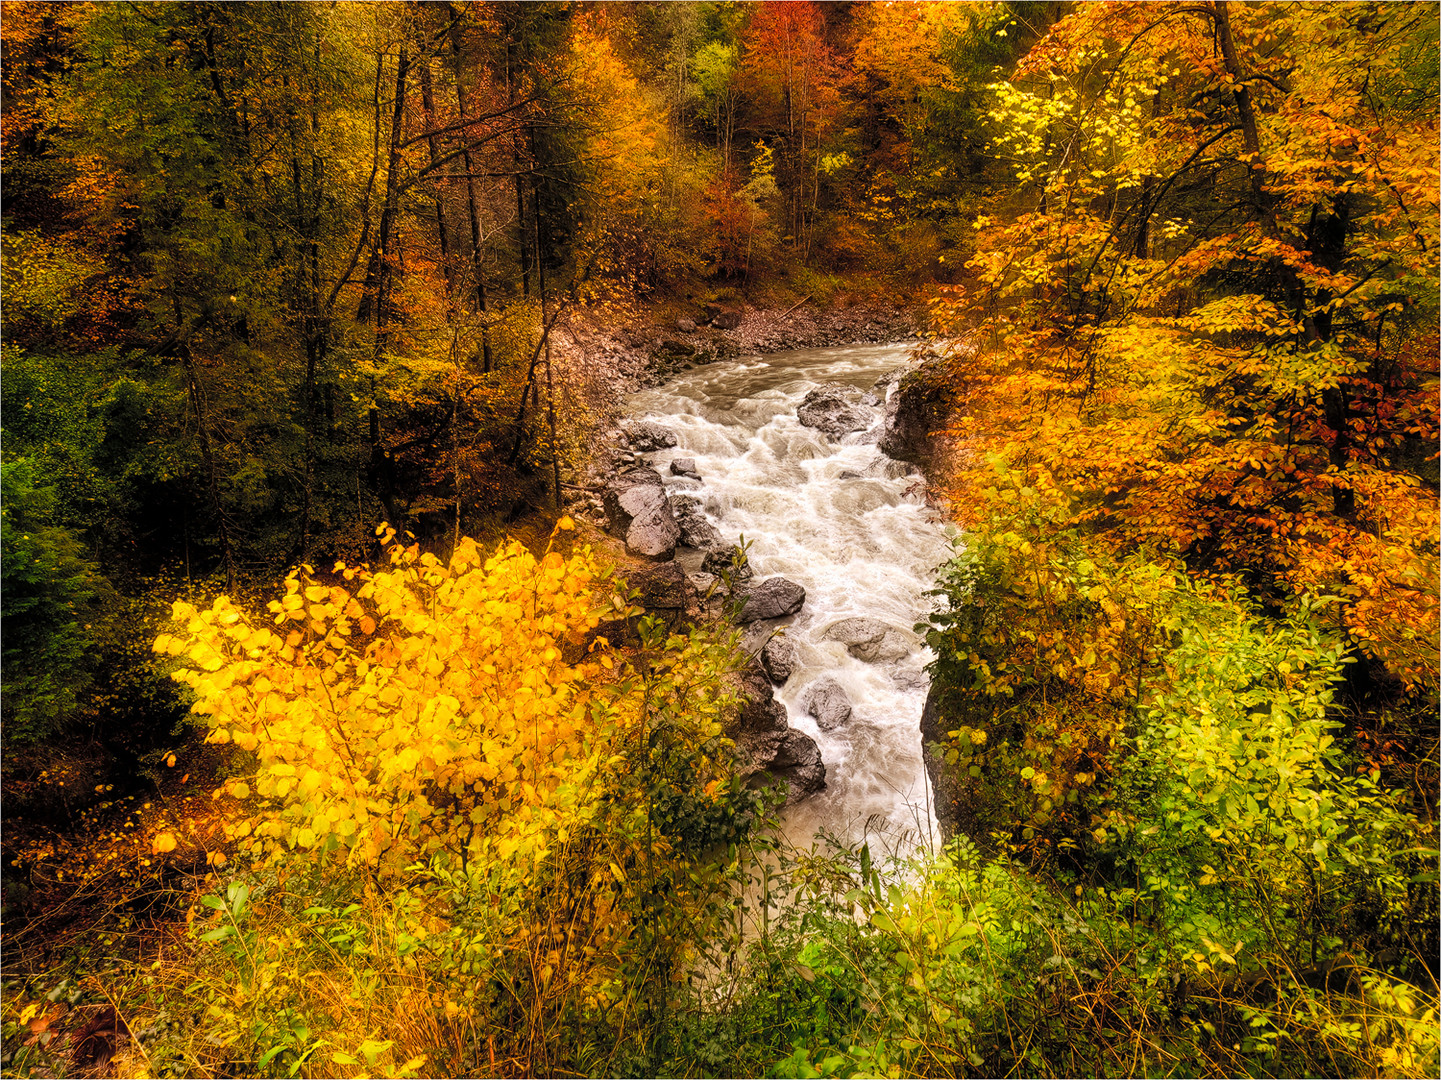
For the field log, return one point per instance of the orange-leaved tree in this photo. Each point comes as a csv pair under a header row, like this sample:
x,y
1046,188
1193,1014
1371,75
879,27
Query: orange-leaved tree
x,y
1209,311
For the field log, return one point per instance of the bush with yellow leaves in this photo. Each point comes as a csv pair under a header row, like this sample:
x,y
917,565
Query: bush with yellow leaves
x,y
424,708
562,816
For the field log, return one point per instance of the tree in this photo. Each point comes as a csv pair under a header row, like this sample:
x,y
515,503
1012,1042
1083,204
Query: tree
x,y
1212,321
791,77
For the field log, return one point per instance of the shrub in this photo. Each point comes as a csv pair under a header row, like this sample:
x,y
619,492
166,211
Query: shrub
x,y
506,839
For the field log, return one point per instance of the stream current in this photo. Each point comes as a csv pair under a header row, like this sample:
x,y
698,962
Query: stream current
x,y
835,517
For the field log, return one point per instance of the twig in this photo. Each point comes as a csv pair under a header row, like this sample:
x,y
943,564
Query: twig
x,y
794,306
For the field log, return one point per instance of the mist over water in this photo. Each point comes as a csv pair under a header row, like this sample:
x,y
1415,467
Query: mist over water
x,y
859,545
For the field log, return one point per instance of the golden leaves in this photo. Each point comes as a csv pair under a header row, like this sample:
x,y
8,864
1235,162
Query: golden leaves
x,y
388,745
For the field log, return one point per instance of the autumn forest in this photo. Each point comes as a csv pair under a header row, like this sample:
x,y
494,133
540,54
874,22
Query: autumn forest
x,y
440,443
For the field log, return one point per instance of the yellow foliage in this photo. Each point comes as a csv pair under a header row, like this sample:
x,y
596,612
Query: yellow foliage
x,y
431,709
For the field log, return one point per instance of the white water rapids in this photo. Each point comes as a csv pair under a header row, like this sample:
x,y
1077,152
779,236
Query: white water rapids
x,y
859,545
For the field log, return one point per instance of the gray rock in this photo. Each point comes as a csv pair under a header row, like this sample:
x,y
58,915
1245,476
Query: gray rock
x,y
760,712
883,469
778,658
636,504
695,530
767,748
798,763
727,320
835,411
684,466
666,586
771,599
685,326
702,581
871,640
915,408
826,700
645,436
722,561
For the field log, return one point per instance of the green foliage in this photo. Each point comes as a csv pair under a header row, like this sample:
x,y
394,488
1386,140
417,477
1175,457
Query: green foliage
x,y
51,589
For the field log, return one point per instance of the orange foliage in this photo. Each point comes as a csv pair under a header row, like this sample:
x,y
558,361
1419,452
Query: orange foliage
x,y
1215,326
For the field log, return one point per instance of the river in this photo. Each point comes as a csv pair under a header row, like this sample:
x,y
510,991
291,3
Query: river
x,y
860,545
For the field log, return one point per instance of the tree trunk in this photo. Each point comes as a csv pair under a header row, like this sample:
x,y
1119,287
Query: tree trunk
x,y
477,249
427,101
379,283
202,426
522,234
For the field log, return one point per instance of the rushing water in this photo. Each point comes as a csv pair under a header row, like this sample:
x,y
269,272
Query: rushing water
x,y
859,545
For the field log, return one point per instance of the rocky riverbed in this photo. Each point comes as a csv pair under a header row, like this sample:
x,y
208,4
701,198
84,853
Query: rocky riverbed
x,y
836,667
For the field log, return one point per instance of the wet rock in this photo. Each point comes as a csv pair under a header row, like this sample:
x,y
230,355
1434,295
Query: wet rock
x,y
702,581
771,599
727,320
760,711
768,748
882,469
684,466
636,504
778,658
826,700
665,587
672,347
914,409
695,530
835,411
685,326
645,436
910,679
871,640
722,561
798,764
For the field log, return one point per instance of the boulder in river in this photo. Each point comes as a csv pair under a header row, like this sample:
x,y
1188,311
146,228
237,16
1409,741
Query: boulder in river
x,y
768,747
695,530
645,436
635,501
760,711
797,762
915,408
826,700
880,469
835,410
665,588
721,561
684,466
871,640
778,658
771,599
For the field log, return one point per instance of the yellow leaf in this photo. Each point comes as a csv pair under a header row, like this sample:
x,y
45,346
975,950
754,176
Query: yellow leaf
x,y
163,842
